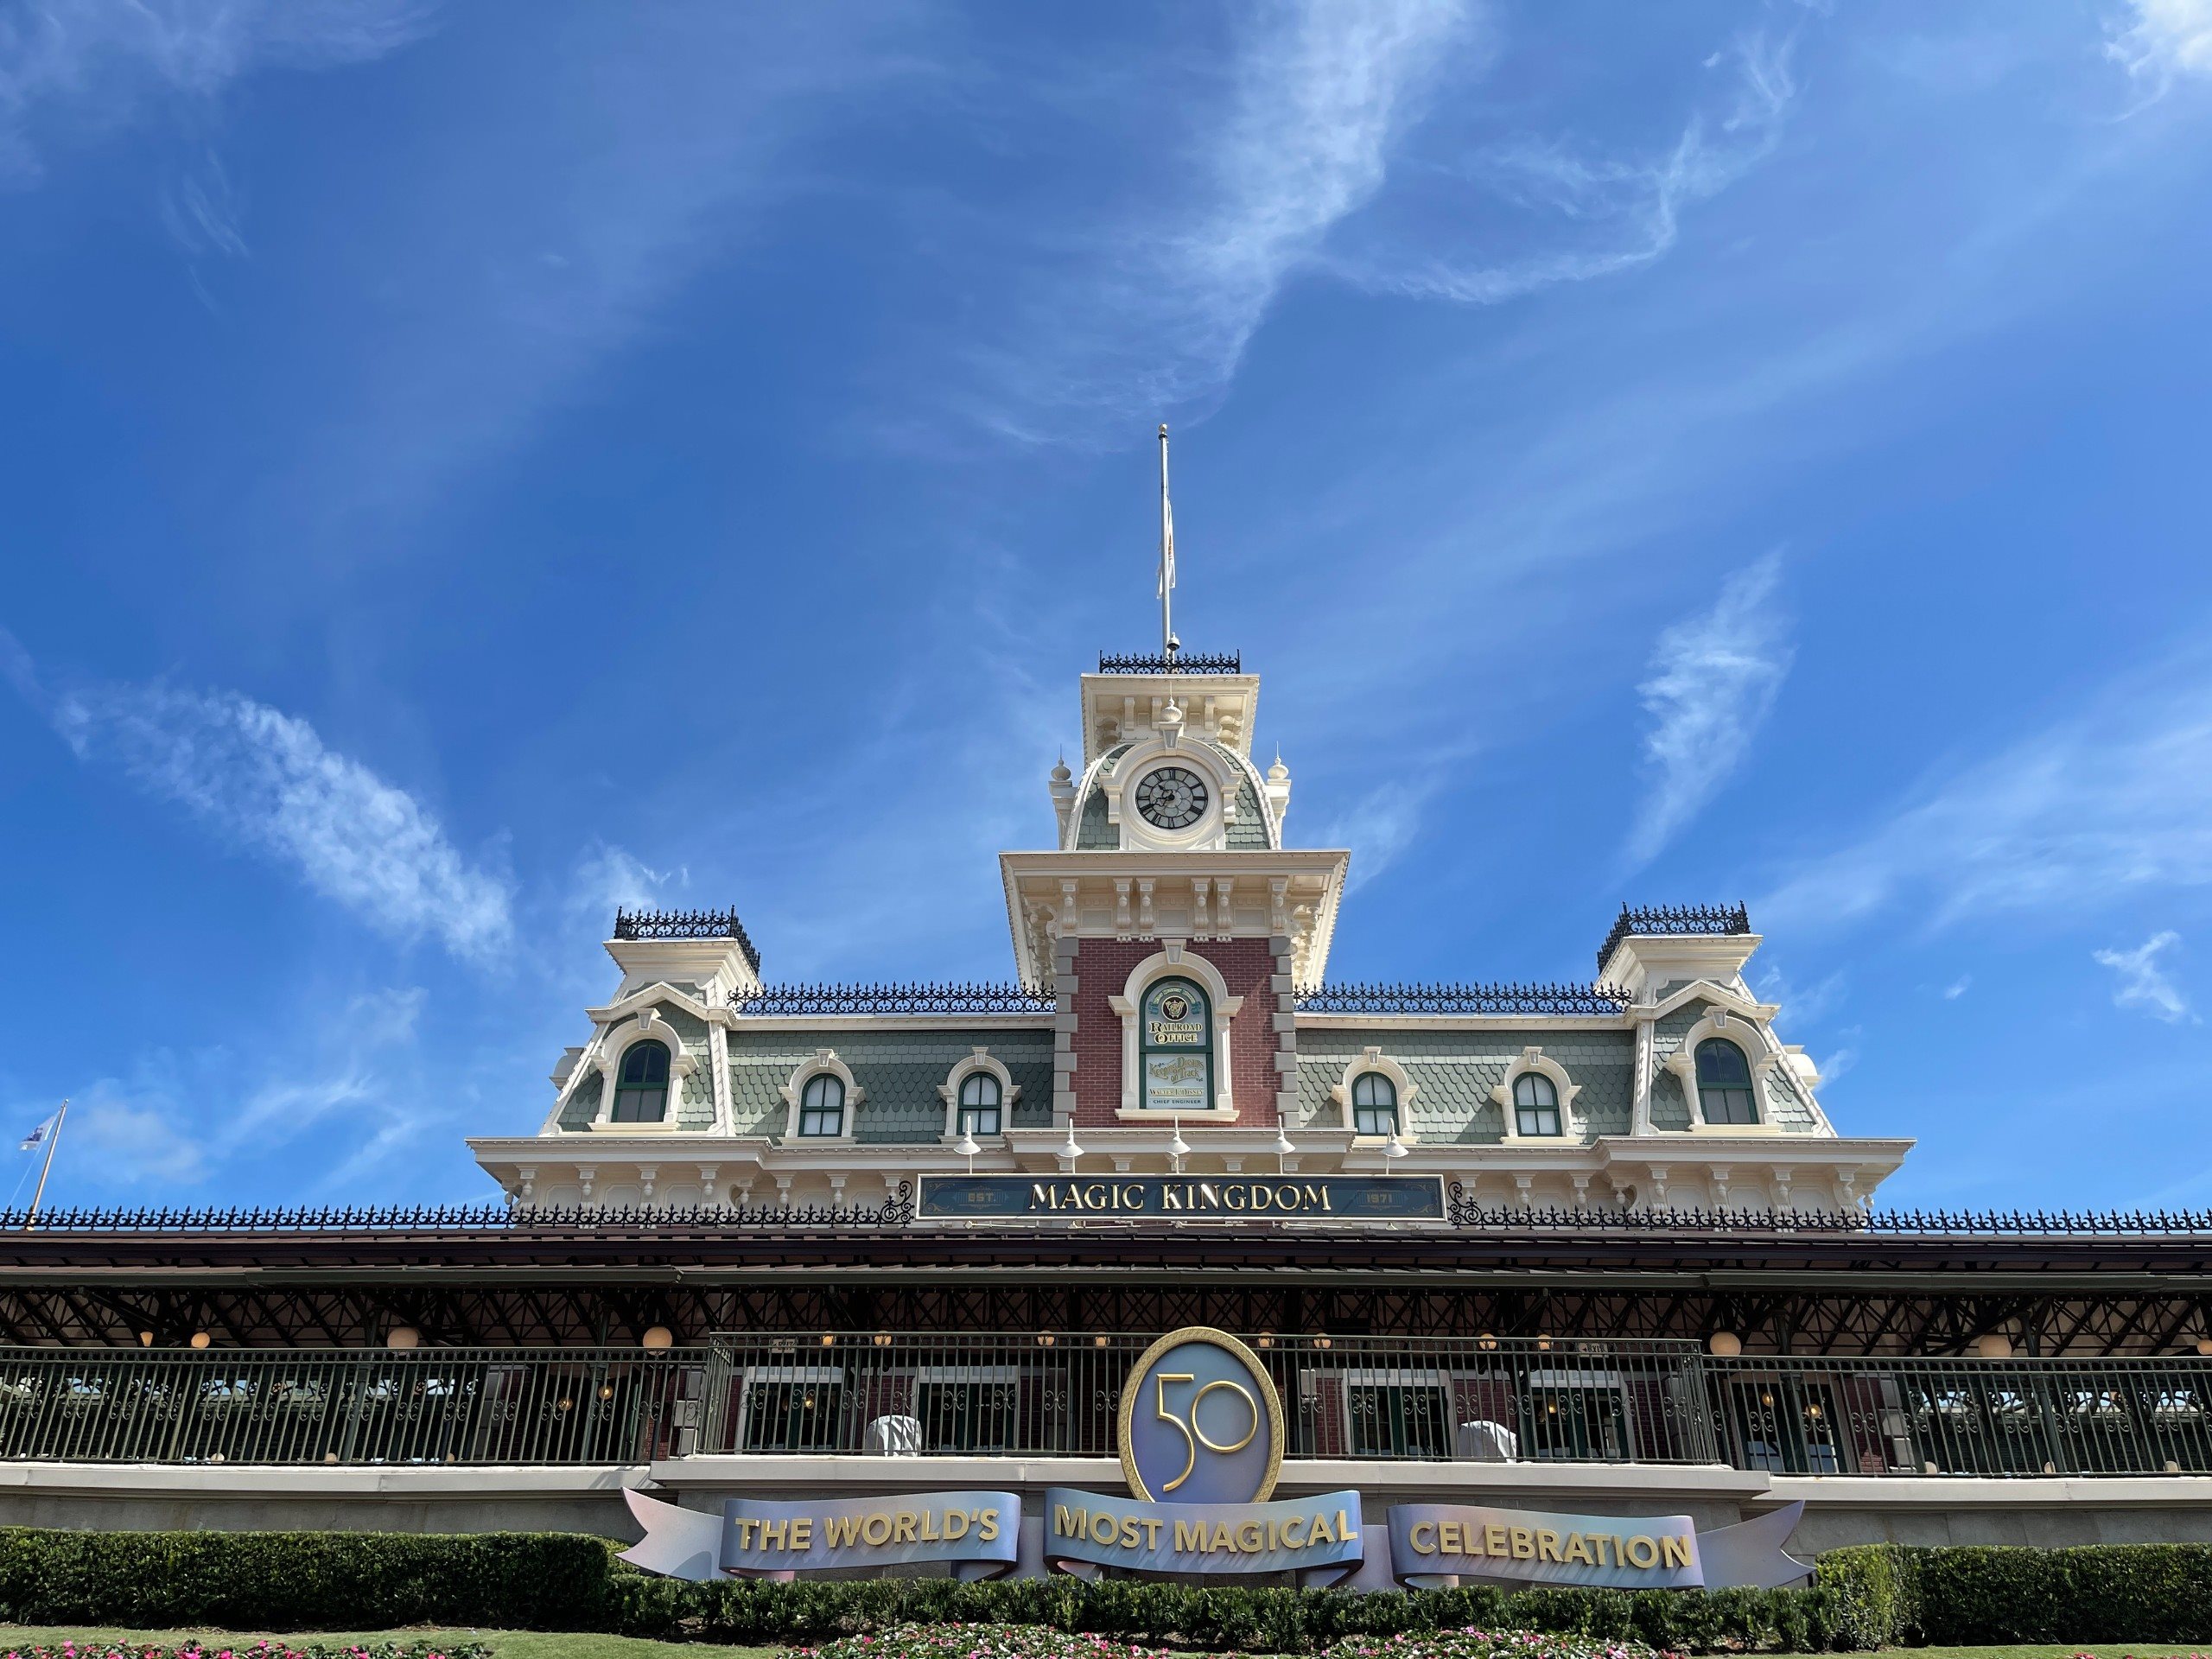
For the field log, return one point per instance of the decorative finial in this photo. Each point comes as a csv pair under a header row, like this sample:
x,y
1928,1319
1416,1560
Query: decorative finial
x,y
1167,640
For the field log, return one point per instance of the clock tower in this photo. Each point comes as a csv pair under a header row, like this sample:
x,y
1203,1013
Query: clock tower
x,y
1170,922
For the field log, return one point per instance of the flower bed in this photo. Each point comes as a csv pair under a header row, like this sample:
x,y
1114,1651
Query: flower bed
x,y
217,1649
976,1642
1472,1644
1042,1641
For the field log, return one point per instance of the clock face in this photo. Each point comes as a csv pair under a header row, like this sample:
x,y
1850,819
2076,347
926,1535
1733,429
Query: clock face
x,y
1170,797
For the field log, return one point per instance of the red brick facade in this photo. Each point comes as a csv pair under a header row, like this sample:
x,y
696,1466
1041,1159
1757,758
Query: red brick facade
x,y
1102,968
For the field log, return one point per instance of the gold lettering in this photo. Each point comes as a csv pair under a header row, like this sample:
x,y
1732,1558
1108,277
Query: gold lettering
x,y
743,1531
1152,1527
1190,1534
1130,1532
1413,1537
1316,1195
1040,1193
803,1532
902,1527
1524,1543
1607,1545
1223,1539
1675,1552
930,1534
1094,1196
1546,1544
843,1530
876,1529
1321,1532
1103,1529
1493,1541
1233,1198
956,1523
775,1535
1448,1539
1251,1537
1643,1551
1133,1195
987,1526
1261,1198
1344,1533
1069,1524
1208,1197
1299,1542
1577,1548
1170,1196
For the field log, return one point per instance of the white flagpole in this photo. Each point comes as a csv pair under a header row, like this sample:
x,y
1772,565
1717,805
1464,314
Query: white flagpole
x,y
1167,553
31,1217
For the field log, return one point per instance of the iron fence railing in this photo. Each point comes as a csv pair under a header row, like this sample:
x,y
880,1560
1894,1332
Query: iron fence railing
x,y
425,1406
1964,1416
1356,1397
1058,1393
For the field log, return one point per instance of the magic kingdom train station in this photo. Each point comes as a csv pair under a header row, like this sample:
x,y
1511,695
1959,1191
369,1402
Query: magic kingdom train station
x,y
1582,1248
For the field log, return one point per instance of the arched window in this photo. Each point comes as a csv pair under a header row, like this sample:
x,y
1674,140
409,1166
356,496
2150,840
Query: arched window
x,y
641,1086
980,1100
1724,1084
1175,1045
1535,1104
1374,1104
822,1105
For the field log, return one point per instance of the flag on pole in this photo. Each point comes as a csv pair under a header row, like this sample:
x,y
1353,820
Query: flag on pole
x,y
1166,549
39,1137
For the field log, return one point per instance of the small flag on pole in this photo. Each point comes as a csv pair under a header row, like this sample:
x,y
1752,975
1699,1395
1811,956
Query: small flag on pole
x,y
38,1136
1166,549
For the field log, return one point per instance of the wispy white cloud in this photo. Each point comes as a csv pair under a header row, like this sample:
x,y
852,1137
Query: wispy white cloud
x,y
1163,308
92,64
2065,821
1380,829
609,879
136,1136
2143,981
266,782
1714,679
2158,41
1958,988
1633,204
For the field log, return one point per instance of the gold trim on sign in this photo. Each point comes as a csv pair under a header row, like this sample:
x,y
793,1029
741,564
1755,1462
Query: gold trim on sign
x,y
1252,1365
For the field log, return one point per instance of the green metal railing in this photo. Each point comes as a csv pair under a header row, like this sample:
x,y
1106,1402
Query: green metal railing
x,y
426,1406
1353,1398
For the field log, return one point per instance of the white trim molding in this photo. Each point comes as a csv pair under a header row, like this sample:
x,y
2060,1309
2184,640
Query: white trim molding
x,y
824,1061
1535,1061
1174,959
646,1026
978,1059
1747,1035
1374,1060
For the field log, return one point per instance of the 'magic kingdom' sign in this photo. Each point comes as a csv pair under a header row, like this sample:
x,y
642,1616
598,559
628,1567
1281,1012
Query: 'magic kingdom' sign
x,y
1231,1197
1202,1438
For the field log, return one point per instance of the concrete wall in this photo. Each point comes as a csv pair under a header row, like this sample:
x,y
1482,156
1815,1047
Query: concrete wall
x,y
1839,1509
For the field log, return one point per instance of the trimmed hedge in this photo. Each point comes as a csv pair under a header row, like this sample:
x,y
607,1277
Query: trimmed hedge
x,y
1876,1595
2099,1593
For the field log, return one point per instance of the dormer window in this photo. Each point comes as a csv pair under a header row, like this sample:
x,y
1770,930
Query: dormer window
x,y
641,1085
1724,1084
822,1107
981,1104
1374,1104
1535,1105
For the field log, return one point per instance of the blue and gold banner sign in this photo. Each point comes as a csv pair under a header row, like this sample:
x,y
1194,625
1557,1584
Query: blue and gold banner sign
x,y
980,1533
1208,1197
1322,1536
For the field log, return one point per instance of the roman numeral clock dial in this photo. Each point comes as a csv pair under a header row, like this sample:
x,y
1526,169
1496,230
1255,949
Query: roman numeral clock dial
x,y
1172,797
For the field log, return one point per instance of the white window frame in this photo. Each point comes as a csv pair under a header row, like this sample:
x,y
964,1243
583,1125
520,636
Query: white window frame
x,y
1751,1037
824,1063
647,1026
1535,1061
1175,960
978,1059
1374,1060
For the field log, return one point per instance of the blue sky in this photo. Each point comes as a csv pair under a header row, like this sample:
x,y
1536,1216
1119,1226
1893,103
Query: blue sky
x,y
465,467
